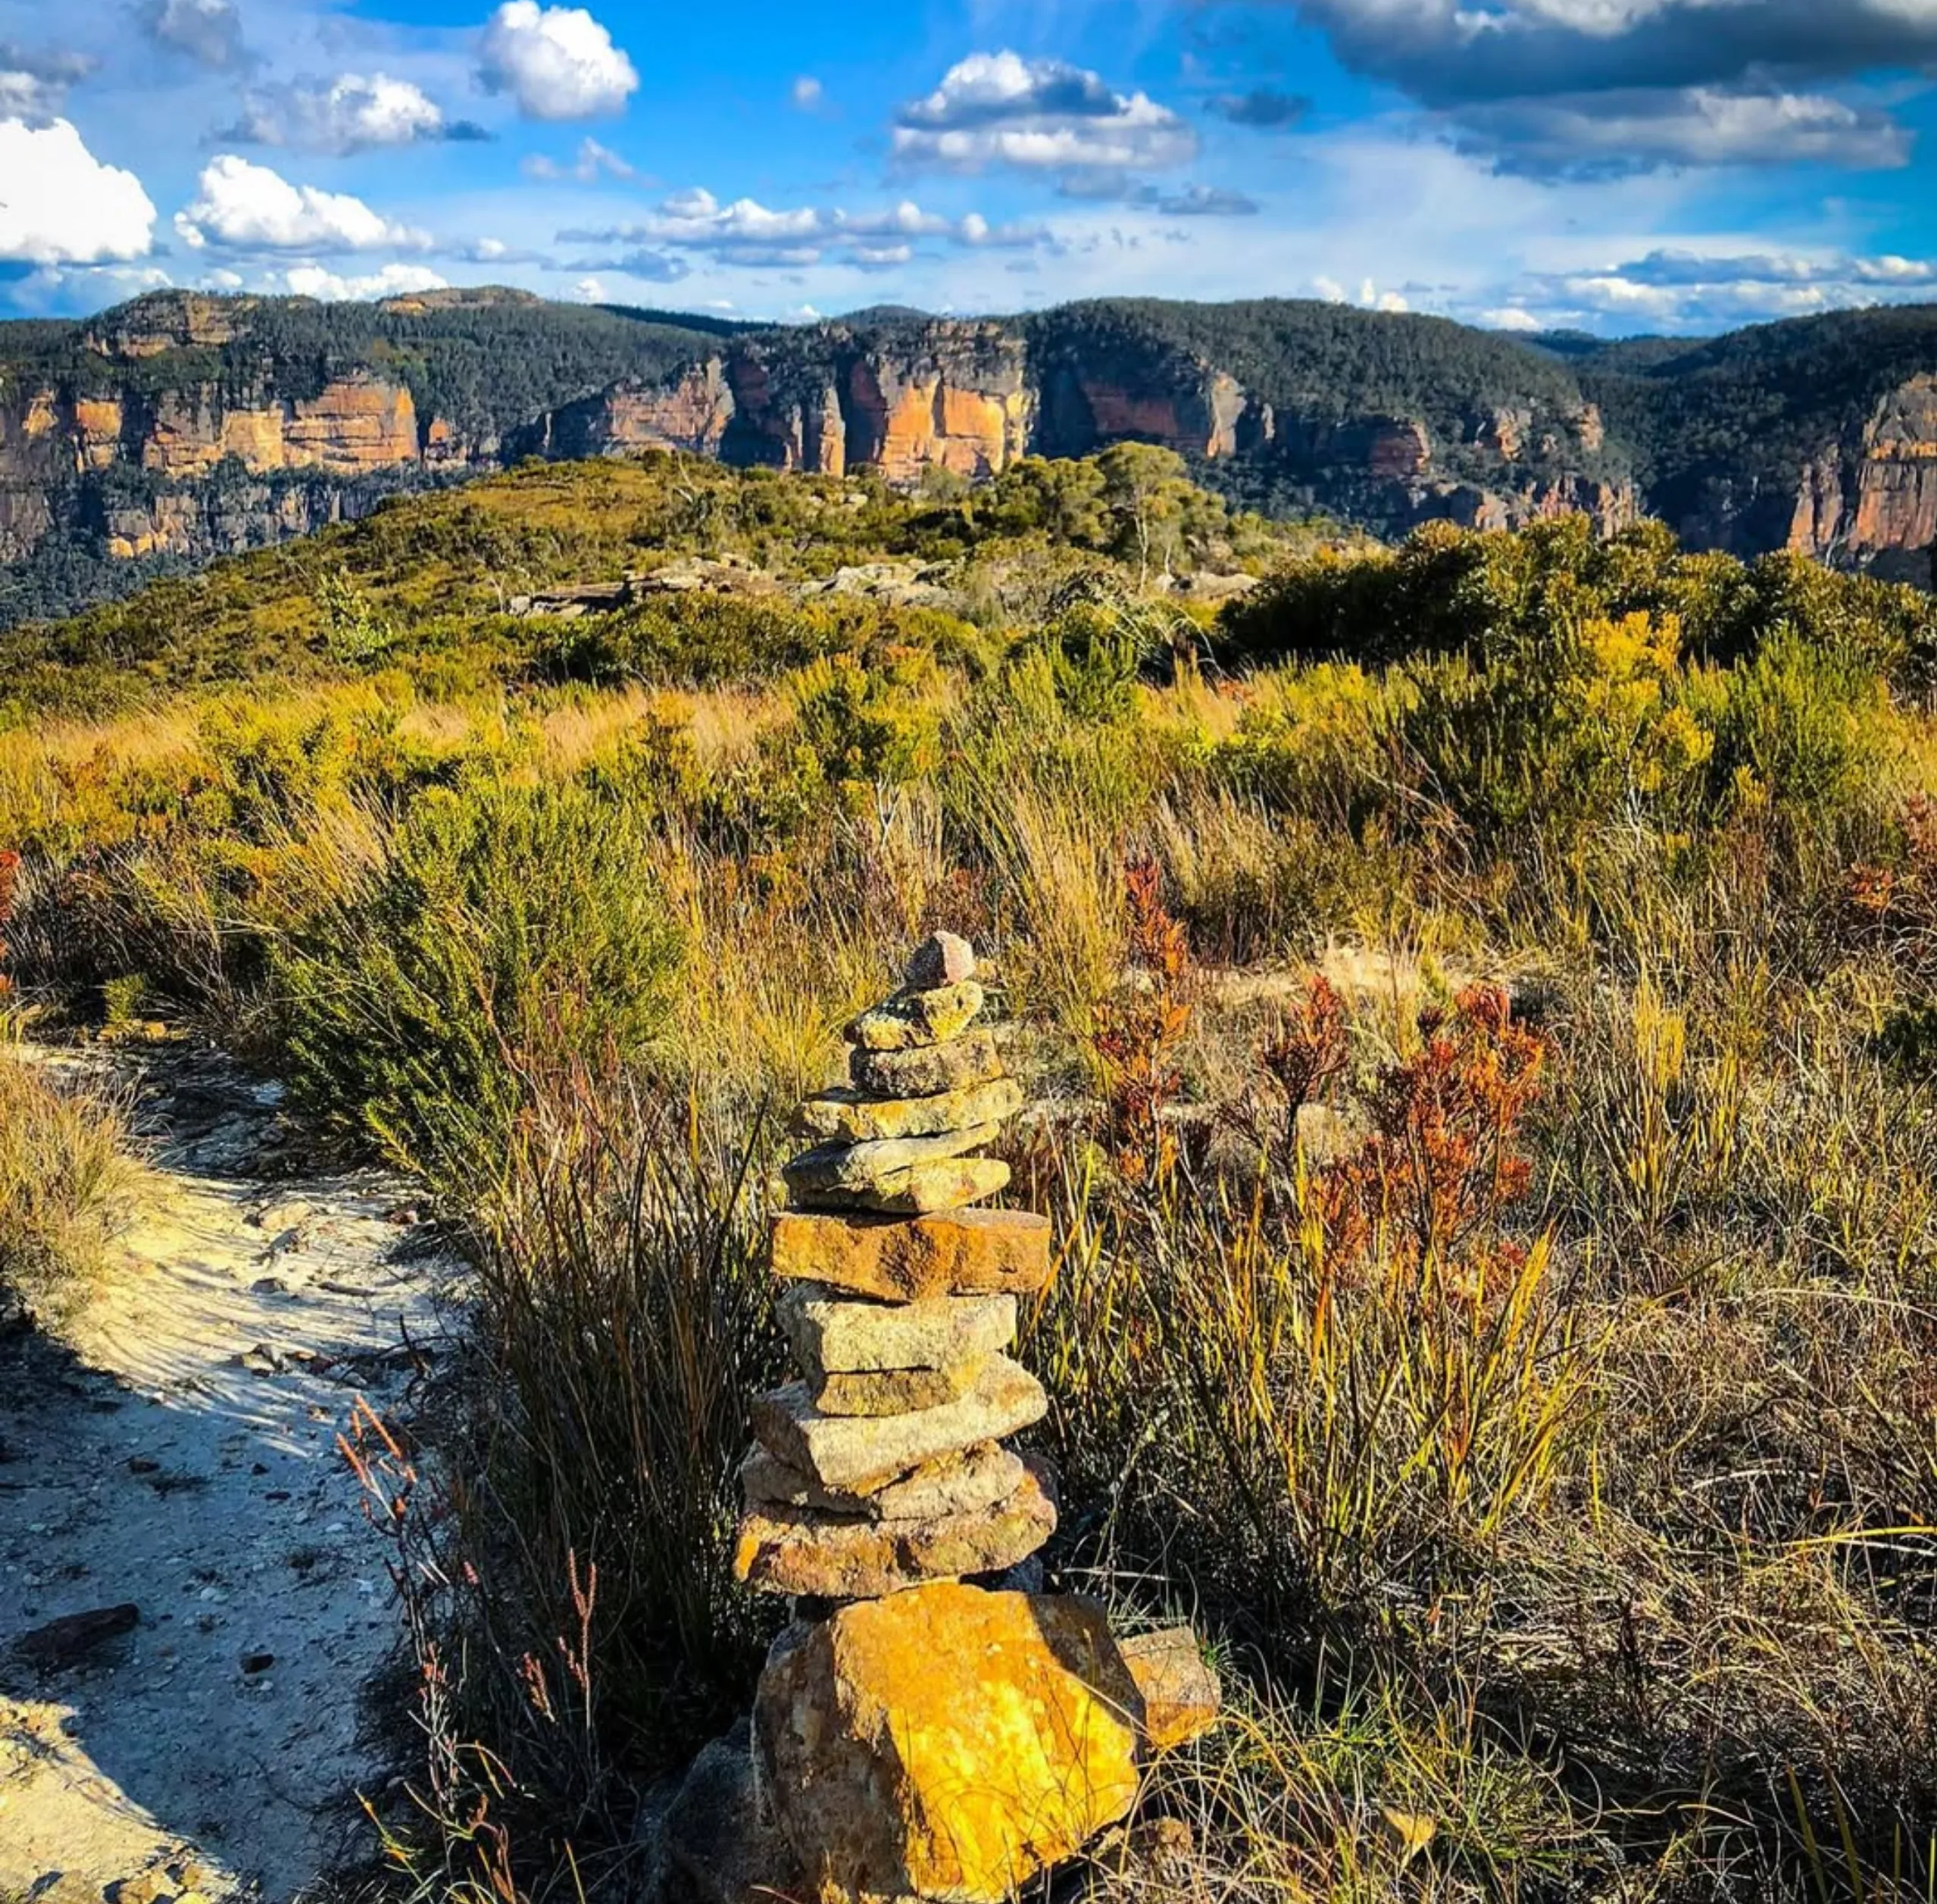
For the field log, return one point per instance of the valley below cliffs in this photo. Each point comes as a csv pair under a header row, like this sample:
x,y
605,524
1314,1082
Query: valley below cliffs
x,y
182,427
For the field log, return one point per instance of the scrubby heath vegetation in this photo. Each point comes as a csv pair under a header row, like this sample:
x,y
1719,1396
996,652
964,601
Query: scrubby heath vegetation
x,y
416,598
1479,998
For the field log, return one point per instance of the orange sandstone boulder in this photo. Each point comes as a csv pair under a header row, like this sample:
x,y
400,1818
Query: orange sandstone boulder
x,y
946,1743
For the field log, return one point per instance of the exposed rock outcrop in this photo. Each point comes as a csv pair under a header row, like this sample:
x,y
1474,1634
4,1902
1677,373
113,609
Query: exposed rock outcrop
x,y
354,425
691,414
1873,504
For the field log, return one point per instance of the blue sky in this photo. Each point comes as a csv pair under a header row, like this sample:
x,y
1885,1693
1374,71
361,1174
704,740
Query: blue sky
x,y
1614,165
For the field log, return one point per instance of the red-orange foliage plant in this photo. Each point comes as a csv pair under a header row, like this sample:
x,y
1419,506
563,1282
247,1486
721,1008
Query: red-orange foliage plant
x,y
1304,1055
1895,908
1135,1036
1425,1192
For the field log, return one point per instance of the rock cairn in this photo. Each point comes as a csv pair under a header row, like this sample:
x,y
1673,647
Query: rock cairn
x,y
926,1728
882,1466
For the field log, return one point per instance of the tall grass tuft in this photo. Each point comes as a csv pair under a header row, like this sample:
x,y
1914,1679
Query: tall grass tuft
x,y
573,1606
510,923
65,1179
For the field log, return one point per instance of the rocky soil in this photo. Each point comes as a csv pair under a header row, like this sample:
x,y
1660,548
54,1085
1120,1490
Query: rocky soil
x,y
191,1602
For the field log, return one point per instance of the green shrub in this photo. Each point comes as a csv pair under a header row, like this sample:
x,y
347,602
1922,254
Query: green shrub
x,y
1483,594
500,923
1806,728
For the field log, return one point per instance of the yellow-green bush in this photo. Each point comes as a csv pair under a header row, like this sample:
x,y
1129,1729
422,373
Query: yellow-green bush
x,y
500,926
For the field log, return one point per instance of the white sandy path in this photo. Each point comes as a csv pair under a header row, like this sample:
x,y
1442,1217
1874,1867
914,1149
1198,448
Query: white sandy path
x,y
238,1530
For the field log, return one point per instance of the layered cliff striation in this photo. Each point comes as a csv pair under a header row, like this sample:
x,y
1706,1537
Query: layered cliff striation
x,y
183,426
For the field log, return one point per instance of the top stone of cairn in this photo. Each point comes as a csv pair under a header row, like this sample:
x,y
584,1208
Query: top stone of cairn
x,y
941,958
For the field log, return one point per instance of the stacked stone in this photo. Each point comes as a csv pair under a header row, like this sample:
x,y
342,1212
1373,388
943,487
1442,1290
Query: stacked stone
x,y
883,1468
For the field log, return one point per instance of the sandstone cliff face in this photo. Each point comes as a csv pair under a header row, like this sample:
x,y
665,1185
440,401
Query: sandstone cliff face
x,y
955,397
182,320
192,523
1186,406
691,414
1873,504
961,403
356,424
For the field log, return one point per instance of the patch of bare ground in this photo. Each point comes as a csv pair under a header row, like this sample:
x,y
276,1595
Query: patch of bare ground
x,y
190,1594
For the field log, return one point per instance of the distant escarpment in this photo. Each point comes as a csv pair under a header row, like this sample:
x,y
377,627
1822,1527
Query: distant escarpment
x,y
969,397
181,426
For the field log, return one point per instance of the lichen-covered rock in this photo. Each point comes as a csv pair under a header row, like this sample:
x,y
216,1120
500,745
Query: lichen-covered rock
x,y
829,1329
874,1392
946,1743
846,1116
1181,1696
943,1183
927,1070
855,1451
960,1482
909,1020
941,958
962,1252
800,1550
866,1167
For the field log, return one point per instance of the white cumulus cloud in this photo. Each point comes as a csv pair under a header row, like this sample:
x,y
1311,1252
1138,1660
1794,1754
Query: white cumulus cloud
x,y
208,31
349,113
391,281
1556,87
244,207
1699,126
1682,289
61,206
593,162
34,82
557,62
1039,115
748,233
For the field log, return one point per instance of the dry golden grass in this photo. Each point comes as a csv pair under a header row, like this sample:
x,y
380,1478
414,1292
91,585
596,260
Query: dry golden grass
x,y
65,1180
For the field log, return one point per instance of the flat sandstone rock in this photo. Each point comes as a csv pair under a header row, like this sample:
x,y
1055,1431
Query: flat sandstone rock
x,y
908,1020
945,1183
855,1451
829,1329
962,1252
927,1071
960,1482
864,1167
797,1550
845,1116
876,1391
1181,1695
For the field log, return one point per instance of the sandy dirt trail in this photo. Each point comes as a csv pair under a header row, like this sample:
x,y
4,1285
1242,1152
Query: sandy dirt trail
x,y
173,1450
